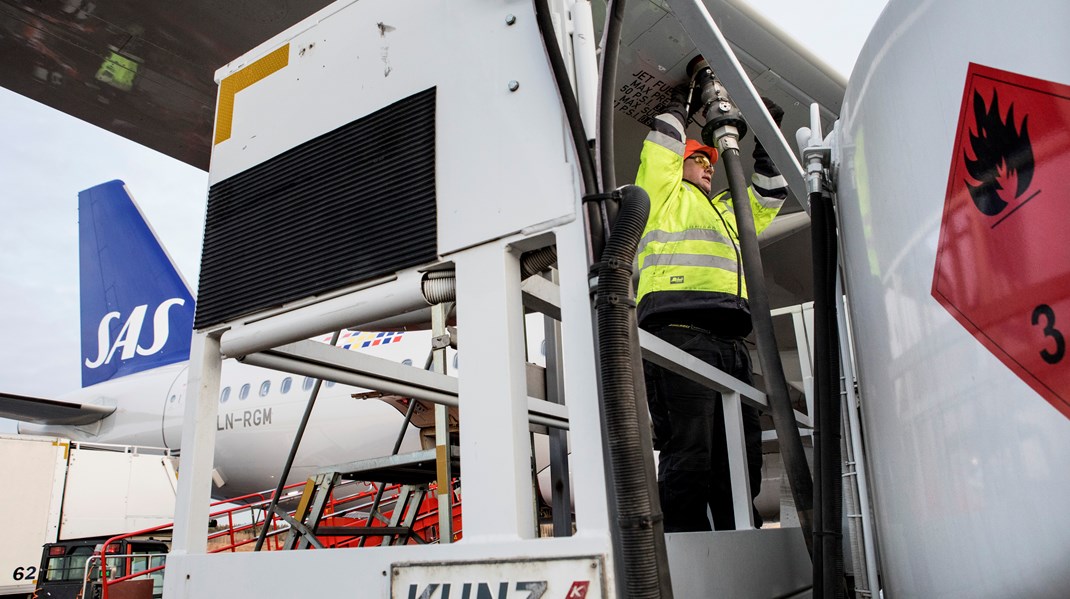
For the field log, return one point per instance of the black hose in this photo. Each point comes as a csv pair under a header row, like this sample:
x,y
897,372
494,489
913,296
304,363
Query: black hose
x,y
819,243
828,492
833,492
440,286
591,215
536,261
776,385
819,249
638,538
643,564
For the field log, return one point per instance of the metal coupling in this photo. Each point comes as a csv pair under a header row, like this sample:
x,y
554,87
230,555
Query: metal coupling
x,y
727,137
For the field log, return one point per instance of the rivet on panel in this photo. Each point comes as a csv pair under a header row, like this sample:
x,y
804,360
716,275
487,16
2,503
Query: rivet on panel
x,y
514,85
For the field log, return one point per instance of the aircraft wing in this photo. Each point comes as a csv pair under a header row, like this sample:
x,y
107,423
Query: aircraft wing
x,y
144,70
50,411
653,59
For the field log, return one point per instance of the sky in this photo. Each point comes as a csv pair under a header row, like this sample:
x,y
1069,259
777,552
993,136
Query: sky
x,y
47,157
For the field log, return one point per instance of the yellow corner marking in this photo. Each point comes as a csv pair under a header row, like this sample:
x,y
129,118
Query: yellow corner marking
x,y
66,447
235,82
306,500
442,469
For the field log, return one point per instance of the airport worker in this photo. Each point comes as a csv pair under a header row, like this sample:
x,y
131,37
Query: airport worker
x,y
692,293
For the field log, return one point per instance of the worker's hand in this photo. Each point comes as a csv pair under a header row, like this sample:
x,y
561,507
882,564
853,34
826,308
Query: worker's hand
x,y
679,94
677,105
775,111
692,96
762,164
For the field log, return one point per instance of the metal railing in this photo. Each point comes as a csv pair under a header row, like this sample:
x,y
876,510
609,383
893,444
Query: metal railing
x,y
734,394
425,527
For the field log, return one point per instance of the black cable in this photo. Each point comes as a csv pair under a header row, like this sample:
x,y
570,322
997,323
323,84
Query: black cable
x,y
606,95
592,217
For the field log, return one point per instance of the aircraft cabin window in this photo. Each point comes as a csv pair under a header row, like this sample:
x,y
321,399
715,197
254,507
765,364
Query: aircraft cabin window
x,y
307,385
542,347
455,361
407,361
285,386
264,388
244,393
224,395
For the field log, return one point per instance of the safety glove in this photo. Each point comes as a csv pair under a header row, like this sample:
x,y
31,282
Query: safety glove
x,y
695,96
762,163
775,110
677,105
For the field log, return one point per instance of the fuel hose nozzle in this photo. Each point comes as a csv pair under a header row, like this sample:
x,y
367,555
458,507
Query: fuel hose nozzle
x,y
716,107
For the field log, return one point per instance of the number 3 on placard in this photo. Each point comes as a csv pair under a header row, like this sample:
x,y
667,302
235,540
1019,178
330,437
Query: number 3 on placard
x,y
1050,331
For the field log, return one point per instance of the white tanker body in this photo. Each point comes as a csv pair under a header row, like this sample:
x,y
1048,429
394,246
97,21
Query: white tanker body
x,y
958,276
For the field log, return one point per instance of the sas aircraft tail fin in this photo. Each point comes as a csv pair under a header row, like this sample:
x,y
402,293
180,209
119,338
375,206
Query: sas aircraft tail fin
x,y
137,310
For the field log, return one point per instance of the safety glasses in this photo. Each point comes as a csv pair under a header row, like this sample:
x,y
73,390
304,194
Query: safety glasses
x,y
702,161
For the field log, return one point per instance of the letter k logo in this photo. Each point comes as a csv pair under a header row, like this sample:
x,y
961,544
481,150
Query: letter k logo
x,y
578,590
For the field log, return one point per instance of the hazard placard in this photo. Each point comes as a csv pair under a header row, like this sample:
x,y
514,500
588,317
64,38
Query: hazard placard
x,y
1003,259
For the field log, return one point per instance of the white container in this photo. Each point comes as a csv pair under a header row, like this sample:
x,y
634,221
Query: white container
x,y
32,471
52,491
965,423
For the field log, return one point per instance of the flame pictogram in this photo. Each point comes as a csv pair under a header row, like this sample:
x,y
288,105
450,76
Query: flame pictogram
x,y
1003,156
1001,263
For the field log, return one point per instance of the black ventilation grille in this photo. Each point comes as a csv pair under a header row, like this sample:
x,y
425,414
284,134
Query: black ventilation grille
x,y
350,205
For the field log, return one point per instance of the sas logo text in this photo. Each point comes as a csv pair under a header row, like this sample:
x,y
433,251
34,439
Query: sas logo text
x,y
129,337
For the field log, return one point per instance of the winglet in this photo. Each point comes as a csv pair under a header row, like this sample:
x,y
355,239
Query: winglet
x,y
137,310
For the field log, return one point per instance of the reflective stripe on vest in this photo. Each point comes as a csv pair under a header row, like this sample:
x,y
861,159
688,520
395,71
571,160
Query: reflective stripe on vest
x,y
660,236
704,260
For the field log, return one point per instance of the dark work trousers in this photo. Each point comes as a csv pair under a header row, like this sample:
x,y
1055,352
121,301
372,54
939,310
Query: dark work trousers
x,y
690,434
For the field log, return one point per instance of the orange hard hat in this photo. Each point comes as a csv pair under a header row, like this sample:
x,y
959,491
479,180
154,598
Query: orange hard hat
x,y
695,146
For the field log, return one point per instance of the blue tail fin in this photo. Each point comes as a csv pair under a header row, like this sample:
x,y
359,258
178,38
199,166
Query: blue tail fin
x,y
137,311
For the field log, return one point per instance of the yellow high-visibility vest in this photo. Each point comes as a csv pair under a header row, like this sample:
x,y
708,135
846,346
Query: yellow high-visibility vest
x,y
689,255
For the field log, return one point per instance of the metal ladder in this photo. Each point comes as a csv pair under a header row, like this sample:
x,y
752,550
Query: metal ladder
x,y
413,471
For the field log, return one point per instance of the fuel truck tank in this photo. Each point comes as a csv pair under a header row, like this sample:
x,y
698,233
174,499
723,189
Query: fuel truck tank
x,y
953,164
